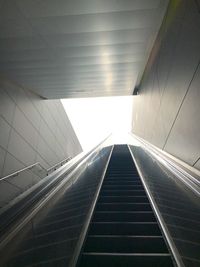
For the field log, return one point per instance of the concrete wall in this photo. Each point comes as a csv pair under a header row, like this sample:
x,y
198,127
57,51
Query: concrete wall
x,y
167,110
32,130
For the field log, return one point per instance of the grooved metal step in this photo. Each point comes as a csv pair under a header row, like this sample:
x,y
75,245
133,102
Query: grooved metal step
x,y
124,230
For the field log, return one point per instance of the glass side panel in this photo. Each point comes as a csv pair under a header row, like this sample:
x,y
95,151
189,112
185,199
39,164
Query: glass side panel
x,y
178,205
50,238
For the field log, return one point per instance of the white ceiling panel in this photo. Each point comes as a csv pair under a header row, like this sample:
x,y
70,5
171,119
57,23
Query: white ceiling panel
x,y
53,69
25,55
125,20
52,8
77,48
72,52
15,28
45,75
68,62
9,10
21,44
1,2
99,38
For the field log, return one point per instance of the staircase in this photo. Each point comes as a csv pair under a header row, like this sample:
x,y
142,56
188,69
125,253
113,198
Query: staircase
x,y
124,230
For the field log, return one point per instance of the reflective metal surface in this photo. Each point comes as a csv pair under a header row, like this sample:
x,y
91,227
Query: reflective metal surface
x,y
50,237
179,206
79,245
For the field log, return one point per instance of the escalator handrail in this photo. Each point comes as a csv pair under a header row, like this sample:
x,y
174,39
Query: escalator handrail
x,y
11,220
185,177
79,246
170,242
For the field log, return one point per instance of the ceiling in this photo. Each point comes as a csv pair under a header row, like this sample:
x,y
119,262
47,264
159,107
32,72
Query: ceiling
x,y
77,48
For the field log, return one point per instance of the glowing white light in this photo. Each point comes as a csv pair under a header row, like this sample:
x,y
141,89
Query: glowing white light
x,y
108,80
94,118
106,66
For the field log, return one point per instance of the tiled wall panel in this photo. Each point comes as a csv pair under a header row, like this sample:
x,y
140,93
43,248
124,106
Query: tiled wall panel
x,y
166,111
32,130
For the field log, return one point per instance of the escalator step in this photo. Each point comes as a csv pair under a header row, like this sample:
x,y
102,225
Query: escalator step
x,y
125,187
124,217
123,207
125,260
119,192
126,244
119,199
122,181
124,228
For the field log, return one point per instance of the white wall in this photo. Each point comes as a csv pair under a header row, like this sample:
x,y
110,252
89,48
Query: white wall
x,y
32,130
167,109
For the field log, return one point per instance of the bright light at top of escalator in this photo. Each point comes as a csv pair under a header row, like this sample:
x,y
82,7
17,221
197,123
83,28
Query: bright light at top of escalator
x,y
94,118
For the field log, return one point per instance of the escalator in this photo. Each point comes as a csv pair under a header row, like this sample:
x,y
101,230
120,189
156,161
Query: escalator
x,y
99,212
124,230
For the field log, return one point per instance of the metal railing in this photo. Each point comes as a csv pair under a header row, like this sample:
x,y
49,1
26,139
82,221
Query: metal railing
x,y
189,179
17,173
83,233
37,164
158,214
16,183
54,167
